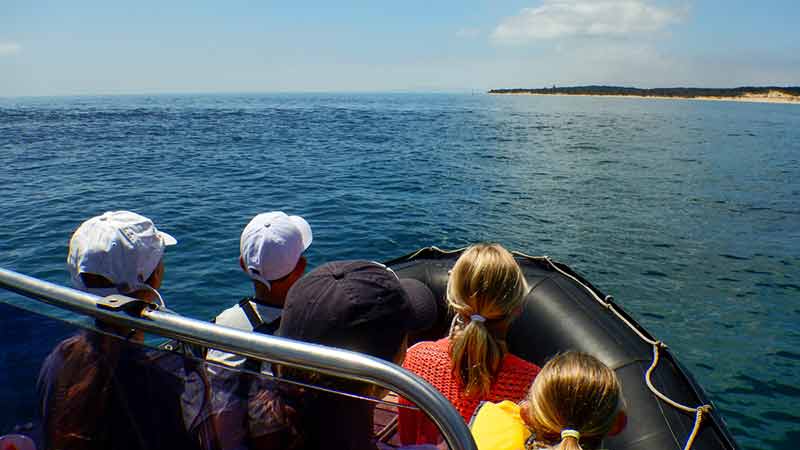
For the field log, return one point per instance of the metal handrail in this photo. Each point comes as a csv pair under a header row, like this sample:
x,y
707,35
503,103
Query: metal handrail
x,y
326,360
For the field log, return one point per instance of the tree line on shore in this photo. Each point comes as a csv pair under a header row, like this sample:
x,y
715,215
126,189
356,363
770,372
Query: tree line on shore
x,y
656,92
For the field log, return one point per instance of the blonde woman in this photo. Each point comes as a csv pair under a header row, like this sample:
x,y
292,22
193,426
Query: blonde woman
x,y
575,402
485,291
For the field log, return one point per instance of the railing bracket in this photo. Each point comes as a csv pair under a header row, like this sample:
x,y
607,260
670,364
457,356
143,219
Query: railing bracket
x,y
122,303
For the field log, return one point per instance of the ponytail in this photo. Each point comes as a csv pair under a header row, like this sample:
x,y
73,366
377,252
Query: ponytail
x,y
476,357
570,440
486,286
573,402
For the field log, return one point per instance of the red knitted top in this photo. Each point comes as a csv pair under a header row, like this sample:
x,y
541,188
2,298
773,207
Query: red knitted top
x,y
431,361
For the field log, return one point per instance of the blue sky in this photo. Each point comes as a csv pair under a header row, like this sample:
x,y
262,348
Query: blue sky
x,y
96,47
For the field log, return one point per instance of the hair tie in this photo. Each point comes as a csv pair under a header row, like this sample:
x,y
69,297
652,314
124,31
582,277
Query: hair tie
x,y
565,433
477,318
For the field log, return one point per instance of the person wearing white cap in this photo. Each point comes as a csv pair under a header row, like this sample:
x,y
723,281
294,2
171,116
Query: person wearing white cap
x,y
271,254
101,388
119,252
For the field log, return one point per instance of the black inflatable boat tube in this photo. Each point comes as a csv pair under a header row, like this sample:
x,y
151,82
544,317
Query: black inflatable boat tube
x,y
562,312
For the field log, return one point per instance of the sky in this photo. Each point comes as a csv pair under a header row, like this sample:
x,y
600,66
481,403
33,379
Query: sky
x,y
104,47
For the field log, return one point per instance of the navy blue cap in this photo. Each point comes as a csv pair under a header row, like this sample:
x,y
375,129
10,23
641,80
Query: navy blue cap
x,y
358,305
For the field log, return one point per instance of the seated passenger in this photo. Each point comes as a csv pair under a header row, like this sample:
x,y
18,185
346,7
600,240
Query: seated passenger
x,y
98,391
575,402
271,254
355,305
119,252
485,291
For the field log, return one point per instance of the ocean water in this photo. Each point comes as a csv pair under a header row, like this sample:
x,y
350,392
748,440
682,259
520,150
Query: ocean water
x,y
688,212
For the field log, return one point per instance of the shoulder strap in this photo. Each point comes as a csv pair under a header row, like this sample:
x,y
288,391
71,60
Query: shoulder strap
x,y
269,327
252,315
265,328
259,326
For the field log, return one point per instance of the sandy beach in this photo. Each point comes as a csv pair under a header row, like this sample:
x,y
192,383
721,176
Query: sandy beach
x,y
772,97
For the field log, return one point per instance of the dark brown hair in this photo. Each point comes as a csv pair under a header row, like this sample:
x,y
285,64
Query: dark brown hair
x,y
81,393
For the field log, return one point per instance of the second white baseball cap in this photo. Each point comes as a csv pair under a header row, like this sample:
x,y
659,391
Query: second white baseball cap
x,y
272,243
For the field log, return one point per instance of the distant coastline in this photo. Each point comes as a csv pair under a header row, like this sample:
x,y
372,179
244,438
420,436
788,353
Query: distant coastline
x,y
763,94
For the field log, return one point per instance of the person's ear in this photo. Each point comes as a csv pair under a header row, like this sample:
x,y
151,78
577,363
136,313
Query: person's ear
x,y
301,265
619,424
241,264
298,271
155,278
293,276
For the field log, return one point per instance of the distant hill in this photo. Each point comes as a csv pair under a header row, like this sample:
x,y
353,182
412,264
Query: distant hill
x,y
677,92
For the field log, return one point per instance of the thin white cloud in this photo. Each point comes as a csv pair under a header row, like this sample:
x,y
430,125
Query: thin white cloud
x,y
9,48
570,18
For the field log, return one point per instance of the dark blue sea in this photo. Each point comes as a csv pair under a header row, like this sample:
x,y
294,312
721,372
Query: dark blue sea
x,y
688,212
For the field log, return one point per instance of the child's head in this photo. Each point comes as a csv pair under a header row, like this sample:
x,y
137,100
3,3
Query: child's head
x,y
577,393
486,287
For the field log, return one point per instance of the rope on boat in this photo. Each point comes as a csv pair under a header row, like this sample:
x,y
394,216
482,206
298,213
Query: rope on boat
x,y
434,248
700,412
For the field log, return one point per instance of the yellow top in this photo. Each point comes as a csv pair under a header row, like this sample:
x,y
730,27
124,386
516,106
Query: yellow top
x,y
498,426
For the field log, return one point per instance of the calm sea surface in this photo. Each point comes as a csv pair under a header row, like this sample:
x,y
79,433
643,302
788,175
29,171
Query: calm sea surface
x,y
688,212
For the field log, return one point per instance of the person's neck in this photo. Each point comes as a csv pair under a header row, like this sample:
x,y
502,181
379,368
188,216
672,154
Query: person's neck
x,y
144,294
264,296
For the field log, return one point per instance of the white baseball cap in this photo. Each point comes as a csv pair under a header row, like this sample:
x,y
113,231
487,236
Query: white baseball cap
x,y
272,243
121,246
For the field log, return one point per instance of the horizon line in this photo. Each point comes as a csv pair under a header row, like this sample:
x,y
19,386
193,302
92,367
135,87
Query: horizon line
x,y
233,92
471,91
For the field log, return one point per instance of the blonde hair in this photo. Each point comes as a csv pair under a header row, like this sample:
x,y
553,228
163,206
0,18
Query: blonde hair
x,y
573,391
486,281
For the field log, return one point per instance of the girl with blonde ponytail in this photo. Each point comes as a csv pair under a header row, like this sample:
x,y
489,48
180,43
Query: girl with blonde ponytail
x,y
575,402
485,292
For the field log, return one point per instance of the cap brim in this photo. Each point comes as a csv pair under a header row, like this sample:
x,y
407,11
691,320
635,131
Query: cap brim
x,y
305,230
167,239
424,309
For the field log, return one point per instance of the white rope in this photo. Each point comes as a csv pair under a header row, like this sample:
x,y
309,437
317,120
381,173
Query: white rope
x,y
434,248
699,411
